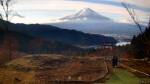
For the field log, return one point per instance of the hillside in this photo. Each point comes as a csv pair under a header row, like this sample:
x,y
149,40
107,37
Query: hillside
x,y
72,37
36,38
29,44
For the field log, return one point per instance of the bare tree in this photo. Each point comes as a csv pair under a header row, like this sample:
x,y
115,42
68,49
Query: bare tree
x,y
6,15
132,14
6,6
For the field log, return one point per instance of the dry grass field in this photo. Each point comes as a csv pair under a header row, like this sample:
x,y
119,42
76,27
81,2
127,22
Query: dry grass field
x,y
47,69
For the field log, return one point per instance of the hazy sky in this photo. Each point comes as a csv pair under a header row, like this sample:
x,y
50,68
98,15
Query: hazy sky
x,y
46,11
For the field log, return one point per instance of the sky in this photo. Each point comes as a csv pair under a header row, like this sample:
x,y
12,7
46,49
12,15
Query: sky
x,y
47,11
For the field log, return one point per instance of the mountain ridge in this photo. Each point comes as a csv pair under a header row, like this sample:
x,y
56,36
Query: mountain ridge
x,y
63,35
72,37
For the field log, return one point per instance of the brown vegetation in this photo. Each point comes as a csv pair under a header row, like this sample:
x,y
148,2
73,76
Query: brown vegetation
x,y
140,65
52,68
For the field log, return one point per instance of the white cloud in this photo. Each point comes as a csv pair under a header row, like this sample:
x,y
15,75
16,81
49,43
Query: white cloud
x,y
143,3
45,10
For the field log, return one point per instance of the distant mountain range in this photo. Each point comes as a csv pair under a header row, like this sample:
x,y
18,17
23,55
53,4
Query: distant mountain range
x,y
53,38
89,21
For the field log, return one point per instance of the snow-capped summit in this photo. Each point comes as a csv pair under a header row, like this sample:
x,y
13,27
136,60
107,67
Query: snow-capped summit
x,y
85,14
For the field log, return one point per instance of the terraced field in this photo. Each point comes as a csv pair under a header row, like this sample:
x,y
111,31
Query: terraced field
x,y
52,68
56,69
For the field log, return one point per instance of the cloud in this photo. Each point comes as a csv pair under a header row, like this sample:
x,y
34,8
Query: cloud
x,y
136,4
50,9
142,3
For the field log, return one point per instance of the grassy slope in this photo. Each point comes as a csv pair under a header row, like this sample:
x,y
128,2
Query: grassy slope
x,y
121,76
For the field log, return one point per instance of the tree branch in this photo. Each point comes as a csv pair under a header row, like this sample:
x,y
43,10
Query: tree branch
x,y
132,14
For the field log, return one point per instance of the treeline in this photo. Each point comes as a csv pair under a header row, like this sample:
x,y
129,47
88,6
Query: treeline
x,y
36,45
139,48
141,44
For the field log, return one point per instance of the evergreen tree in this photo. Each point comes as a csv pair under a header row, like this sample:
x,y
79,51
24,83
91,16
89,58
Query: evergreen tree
x,y
141,44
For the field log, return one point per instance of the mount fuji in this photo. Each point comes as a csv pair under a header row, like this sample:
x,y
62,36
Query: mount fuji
x,y
85,14
89,21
